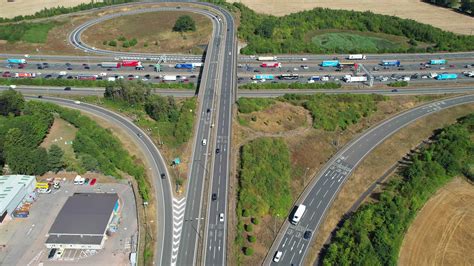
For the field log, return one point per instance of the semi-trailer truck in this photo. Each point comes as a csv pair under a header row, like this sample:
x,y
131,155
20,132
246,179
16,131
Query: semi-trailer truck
x,y
263,77
349,78
298,214
330,63
184,66
87,77
438,62
446,76
16,61
357,57
390,63
267,58
110,65
131,63
289,76
271,64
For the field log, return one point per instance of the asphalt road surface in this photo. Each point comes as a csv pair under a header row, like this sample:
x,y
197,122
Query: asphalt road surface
x,y
319,195
156,163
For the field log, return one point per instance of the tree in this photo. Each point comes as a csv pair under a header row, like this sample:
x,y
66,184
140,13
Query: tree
x,y
467,6
265,29
11,101
55,158
184,23
133,92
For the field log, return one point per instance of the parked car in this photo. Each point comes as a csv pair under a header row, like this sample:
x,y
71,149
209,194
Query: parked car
x,y
93,181
52,252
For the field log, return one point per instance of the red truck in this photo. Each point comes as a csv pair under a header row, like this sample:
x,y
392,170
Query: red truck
x,y
271,64
24,75
131,63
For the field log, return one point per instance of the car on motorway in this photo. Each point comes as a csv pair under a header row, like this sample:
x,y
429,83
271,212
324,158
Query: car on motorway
x,y
70,77
395,90
221,217
277,256
163,176
87,67
139,135
192,76
93,181
218,151
214,196
69,68
204,142
208,110
307,235
39,67
47,76
67,88
68,64
40,96
452,66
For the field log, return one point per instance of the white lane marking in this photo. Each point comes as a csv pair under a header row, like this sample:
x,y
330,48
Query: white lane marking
x,y
301,250
325,193
311,202
284,244
317,207
293,246
311,218
178,218
318,191
333,183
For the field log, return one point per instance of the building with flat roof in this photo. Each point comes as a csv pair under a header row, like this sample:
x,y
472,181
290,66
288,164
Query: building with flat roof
x,y
83,221
13,190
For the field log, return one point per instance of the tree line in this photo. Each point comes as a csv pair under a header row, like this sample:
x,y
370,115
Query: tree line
x,y
465,6
374,233
288,34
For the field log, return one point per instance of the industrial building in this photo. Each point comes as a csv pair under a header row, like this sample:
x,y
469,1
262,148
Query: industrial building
x,y
83,221
14,189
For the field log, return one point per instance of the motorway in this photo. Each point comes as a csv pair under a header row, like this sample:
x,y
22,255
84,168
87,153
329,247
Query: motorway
x,y
319,195
155,161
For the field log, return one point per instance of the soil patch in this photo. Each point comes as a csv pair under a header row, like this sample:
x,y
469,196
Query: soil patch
x,y
442,231
442,18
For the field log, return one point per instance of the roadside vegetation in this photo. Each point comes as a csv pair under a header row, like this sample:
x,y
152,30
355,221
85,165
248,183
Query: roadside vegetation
x,y
26,32
24,125
398,84
374,233
465,6
297,33
248,105
331,112
86,83
264,187
293,85
50,12
184,23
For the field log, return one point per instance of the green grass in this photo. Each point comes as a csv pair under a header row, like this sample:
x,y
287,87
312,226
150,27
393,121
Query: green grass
x,y
293,85
248,105
351,41
26,32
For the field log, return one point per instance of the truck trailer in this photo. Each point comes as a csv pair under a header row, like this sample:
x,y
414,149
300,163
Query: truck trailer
x,y
271,64
263,77
184,66
390,63
446,76
24,75
349,78
330,63
131,63
438,62
357,57
16,61
289,76
267,58
110,65
298,214
169,78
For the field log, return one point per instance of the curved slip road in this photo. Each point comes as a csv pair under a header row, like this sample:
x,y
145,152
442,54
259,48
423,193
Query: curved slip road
x,y
319,195
155,160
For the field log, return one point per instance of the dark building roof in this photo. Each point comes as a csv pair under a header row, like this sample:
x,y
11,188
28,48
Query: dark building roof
x,y
74,239
84,214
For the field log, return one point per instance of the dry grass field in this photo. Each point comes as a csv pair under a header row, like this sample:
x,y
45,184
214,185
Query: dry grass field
x,y
412,9
442,231
29,7
156,37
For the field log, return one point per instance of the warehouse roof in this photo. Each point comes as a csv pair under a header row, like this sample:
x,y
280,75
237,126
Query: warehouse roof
x,y
10,185
84,214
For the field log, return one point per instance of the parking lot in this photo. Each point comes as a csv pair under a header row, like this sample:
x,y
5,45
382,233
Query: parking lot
x,y
22,239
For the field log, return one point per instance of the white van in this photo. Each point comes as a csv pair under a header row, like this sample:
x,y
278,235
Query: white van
x,y
298,214
277,256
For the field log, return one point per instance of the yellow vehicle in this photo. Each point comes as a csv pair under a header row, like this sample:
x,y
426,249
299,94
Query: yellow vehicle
x,y
42,185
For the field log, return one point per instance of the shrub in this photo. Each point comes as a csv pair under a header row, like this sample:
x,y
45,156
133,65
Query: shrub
x,y
245,213
113,43
255,220
184,23
249,227
248,251
398,84
251,239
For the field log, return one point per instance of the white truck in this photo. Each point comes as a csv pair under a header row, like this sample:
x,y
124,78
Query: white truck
x,y
298,214
169,78
357,57
349,78
267,58
62,73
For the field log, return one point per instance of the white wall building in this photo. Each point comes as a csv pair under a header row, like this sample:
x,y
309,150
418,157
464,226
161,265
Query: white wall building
x,y
13,189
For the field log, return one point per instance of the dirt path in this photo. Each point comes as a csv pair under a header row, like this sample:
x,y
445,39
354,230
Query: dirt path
x,y
411,9
442,231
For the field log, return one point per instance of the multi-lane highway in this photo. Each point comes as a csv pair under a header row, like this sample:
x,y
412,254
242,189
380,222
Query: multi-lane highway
x,y
157,165
319,195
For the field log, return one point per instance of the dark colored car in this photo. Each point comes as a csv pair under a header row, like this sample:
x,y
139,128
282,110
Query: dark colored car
x,y
40,96
67,88
87,67
40,67
208,110
192,76
394,90
307,234
86,181
218,150
69,68
52,253
214,196
163,175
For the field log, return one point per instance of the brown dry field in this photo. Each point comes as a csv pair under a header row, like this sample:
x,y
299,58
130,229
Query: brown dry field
x,y
377,162
411,9
29,7
57,44
441,233
158,33
301,141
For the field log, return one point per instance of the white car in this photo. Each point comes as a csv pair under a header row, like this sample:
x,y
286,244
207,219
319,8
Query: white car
x,y
204,142
277,256
221,217
304,59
